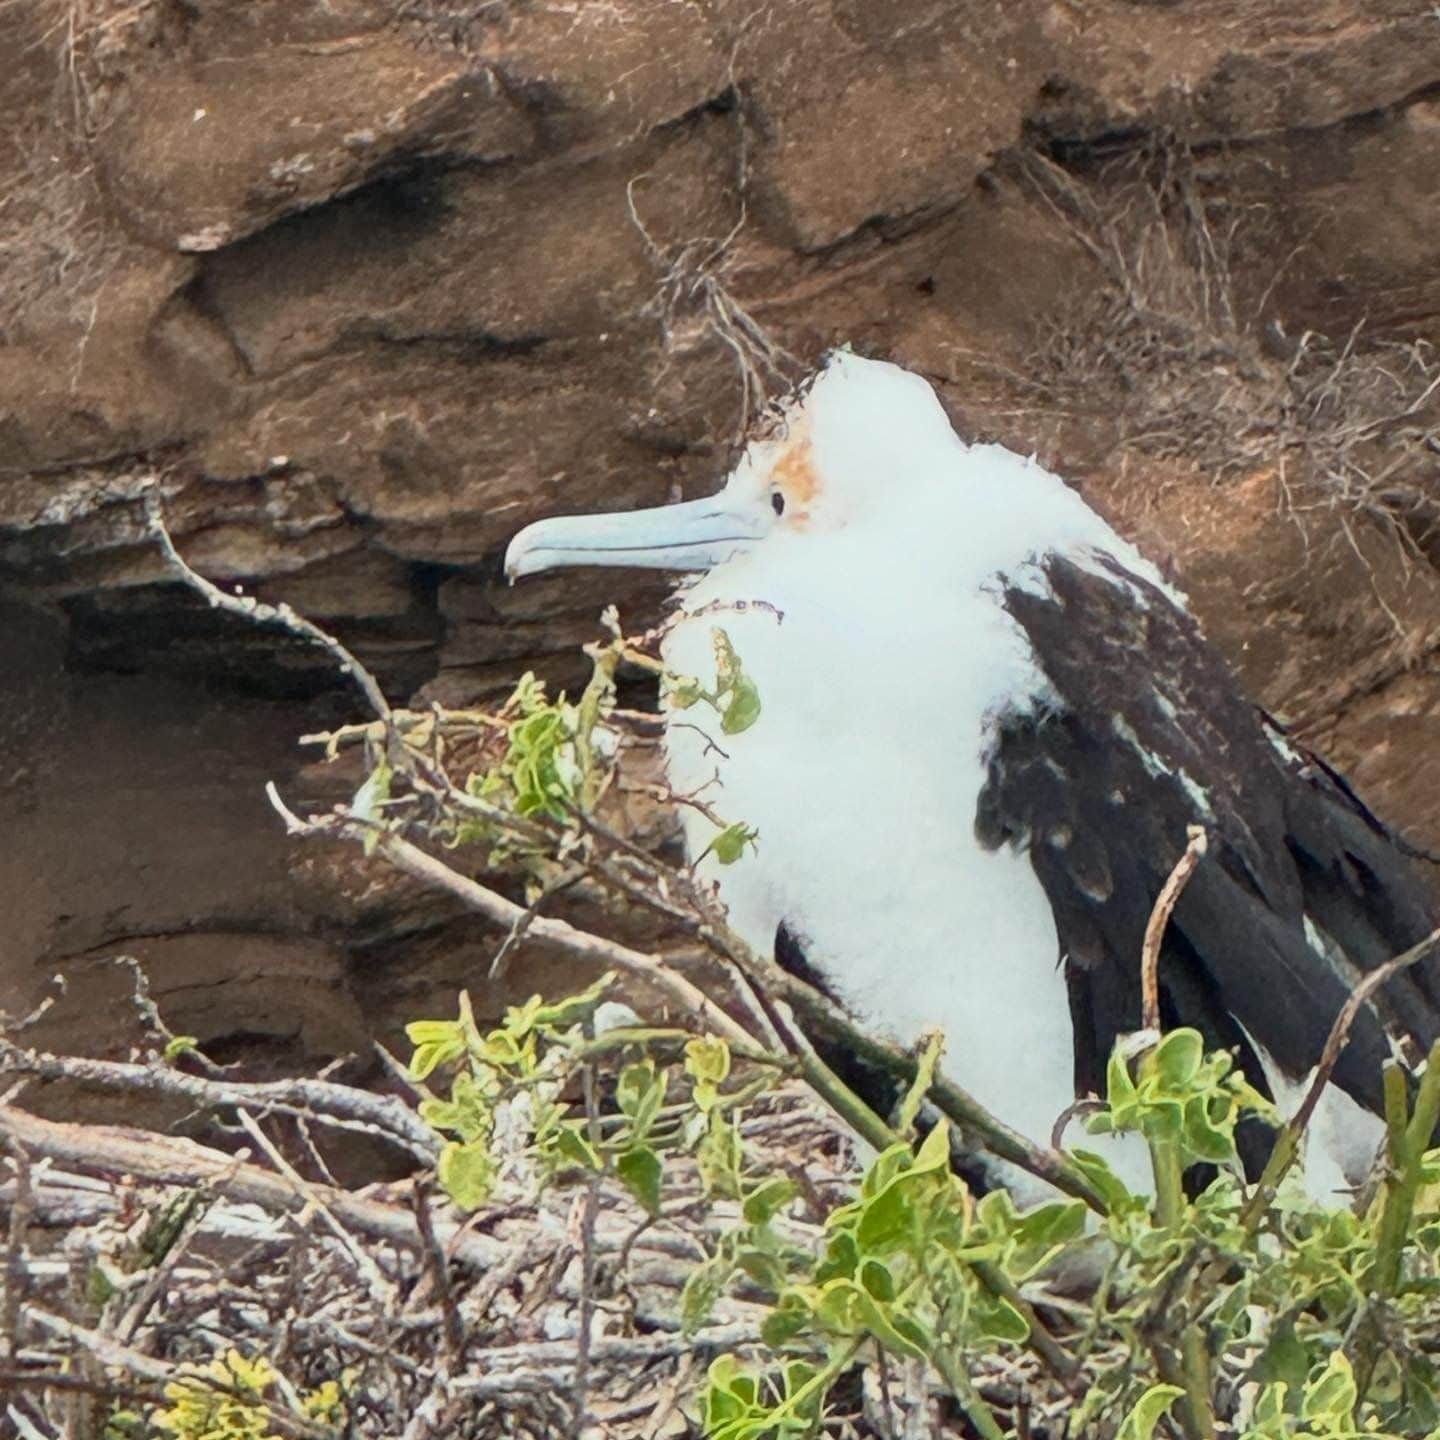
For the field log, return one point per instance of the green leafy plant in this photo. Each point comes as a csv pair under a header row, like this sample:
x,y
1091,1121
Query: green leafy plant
x,y
533,1057
734,696
227,1399
1235,1305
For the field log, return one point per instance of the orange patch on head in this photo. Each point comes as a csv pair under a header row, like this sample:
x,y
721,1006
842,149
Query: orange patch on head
x,y
795,474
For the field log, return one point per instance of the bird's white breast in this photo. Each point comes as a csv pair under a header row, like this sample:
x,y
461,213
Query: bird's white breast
x,y
862,773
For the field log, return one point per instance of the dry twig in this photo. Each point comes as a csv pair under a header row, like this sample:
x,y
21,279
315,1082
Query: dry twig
x,y
1165,903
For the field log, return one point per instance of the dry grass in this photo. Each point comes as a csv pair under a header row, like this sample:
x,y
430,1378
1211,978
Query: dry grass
x,y
55,252
695,302
1163,349
57,244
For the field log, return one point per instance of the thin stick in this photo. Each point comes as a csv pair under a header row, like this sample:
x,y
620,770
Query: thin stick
x,y
454,1327
381,1288
1165,902
1287,1142
22,1211
607,954
259,612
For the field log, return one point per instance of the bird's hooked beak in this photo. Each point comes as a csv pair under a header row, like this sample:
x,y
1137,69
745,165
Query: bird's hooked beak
x,y
694,535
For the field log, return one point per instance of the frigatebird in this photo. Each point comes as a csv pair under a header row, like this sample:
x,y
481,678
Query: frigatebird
x,y
987,724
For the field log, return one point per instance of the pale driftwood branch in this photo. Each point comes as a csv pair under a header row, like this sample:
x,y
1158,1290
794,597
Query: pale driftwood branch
x,y
102,1347
323,1100
556,1358
168,1160
22,1210
381,1290
1165,903
54,991
174,1161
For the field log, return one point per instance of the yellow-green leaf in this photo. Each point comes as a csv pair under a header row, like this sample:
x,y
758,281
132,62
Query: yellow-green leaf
x,y
466,1173
1140,1423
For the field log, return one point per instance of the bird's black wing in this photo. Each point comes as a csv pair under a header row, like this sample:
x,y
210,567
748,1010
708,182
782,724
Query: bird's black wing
x,y
1143,733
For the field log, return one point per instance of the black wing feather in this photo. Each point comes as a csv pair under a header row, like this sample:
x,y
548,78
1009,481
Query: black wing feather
x,y
1143,734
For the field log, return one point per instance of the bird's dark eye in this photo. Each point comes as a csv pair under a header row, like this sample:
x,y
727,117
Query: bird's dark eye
x,y
777,501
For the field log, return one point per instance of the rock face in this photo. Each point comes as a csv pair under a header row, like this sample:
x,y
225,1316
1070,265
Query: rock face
x,y
368,286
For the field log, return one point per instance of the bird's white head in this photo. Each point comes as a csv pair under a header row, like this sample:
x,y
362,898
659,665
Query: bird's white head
x,y
862,434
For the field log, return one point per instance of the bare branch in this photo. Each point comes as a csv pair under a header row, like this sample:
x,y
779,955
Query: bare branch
x,y
182,1162
1165,903
258,612
342,1105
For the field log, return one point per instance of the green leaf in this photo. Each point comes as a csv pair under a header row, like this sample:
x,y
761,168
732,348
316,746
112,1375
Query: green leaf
x,y
1178,1057
572,1144
465,1114
785,1321
434,1032
1140,1423
466,1173
888,1220
875,1276
704,1286
732,1410
919,1087
99,1287
1270,1419
838,1307
996,1212
997,1319
890,1162
642,1172
934,1154
368,800
767,1199
879,1321
913,1331
762,1267
719,1157
1112,1188
508,1047
1330,1398
1055,1223
436,1042
744,707
179,1045
729,845
842,1258
707,1057
640,1092
428,1058
682,691
561,1014
1203,1139
1120,1092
